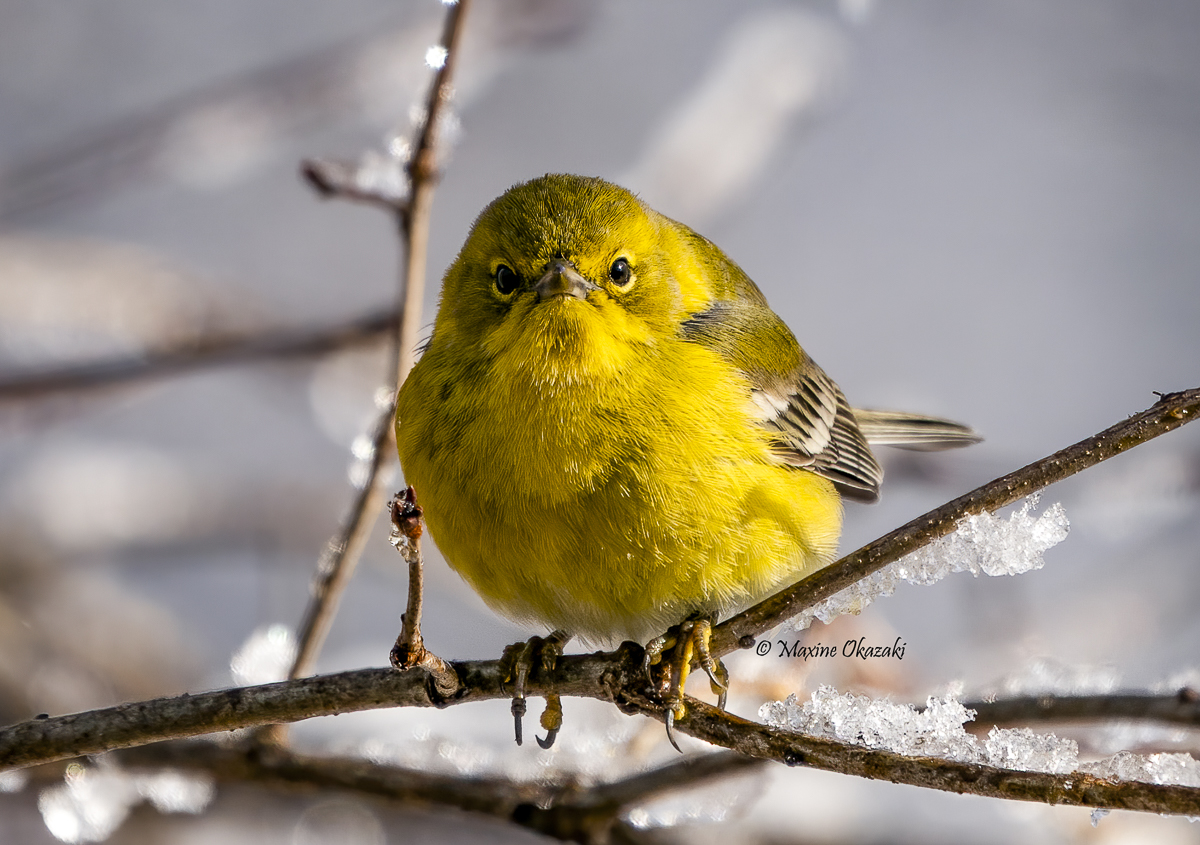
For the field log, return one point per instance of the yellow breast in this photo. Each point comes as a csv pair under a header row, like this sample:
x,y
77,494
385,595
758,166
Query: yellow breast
x,y
604,482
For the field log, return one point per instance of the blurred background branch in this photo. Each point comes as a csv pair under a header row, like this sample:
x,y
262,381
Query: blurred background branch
x,y
216,349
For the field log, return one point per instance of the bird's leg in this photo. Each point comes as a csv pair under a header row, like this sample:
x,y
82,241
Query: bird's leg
x,y
688,641
718,675
518,660
655,650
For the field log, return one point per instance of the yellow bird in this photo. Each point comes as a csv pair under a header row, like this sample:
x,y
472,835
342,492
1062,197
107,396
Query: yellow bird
x,y
611,432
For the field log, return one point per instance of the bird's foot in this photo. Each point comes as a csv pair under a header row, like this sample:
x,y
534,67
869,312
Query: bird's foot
x,y
518,661
681,645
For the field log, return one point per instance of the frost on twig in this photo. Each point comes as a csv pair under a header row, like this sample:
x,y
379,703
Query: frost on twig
x,y
982,543
1182,769
936,731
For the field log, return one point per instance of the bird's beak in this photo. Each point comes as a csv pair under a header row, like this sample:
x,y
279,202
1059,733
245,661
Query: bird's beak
x,y
562,279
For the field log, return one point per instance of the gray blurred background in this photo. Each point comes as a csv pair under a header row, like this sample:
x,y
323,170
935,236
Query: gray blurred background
x,y
985,210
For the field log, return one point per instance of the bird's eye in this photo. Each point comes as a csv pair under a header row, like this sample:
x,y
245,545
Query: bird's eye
x,y
506,279
620,273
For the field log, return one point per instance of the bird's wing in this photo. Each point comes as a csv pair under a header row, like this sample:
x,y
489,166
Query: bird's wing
x,y
811,422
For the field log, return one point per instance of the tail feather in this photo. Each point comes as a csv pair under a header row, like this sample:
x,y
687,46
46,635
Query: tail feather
x,y
913,431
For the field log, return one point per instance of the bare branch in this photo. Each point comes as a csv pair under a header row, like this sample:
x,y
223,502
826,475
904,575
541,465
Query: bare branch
x,y
95,731
1179,708
281,767
214,350
566,810
342,553
424,174
611,677
347,180
672,777
286,95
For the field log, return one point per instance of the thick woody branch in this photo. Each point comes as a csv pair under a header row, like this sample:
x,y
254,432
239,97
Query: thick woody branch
x,y
95,731
613,677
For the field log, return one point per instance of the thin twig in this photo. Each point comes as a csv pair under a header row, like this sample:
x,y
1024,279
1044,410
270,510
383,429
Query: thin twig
x,y
212,350
409,652
345,180
1171,411
281,767
424,176
338,565
680,774
341,555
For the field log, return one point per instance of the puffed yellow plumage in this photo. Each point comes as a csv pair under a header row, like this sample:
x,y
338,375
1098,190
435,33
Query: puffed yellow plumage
x,y
609,429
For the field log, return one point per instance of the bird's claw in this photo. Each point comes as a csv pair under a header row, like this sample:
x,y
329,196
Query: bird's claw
x,y
670,722
687,641
552,719
518,660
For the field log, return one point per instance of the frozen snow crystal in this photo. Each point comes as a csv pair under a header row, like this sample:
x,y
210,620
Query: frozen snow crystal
x,y
88,805
265,657
981,543
1026,751
172,791
724,798
91,802
936,731
1178,769
13,780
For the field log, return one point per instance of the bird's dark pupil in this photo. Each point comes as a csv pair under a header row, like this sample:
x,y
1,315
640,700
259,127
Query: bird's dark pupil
x,y
619,272
506,279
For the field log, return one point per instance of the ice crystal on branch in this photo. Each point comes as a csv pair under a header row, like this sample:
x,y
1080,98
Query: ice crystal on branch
x,y
1179,769
936,731
981,543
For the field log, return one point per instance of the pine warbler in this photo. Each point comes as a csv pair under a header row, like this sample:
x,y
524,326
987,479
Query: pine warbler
x,y
610,431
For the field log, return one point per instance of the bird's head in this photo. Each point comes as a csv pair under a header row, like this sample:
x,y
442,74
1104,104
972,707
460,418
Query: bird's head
x,y
568,271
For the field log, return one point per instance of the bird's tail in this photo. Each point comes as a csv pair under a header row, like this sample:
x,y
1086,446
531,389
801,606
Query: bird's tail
x,y
913,431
